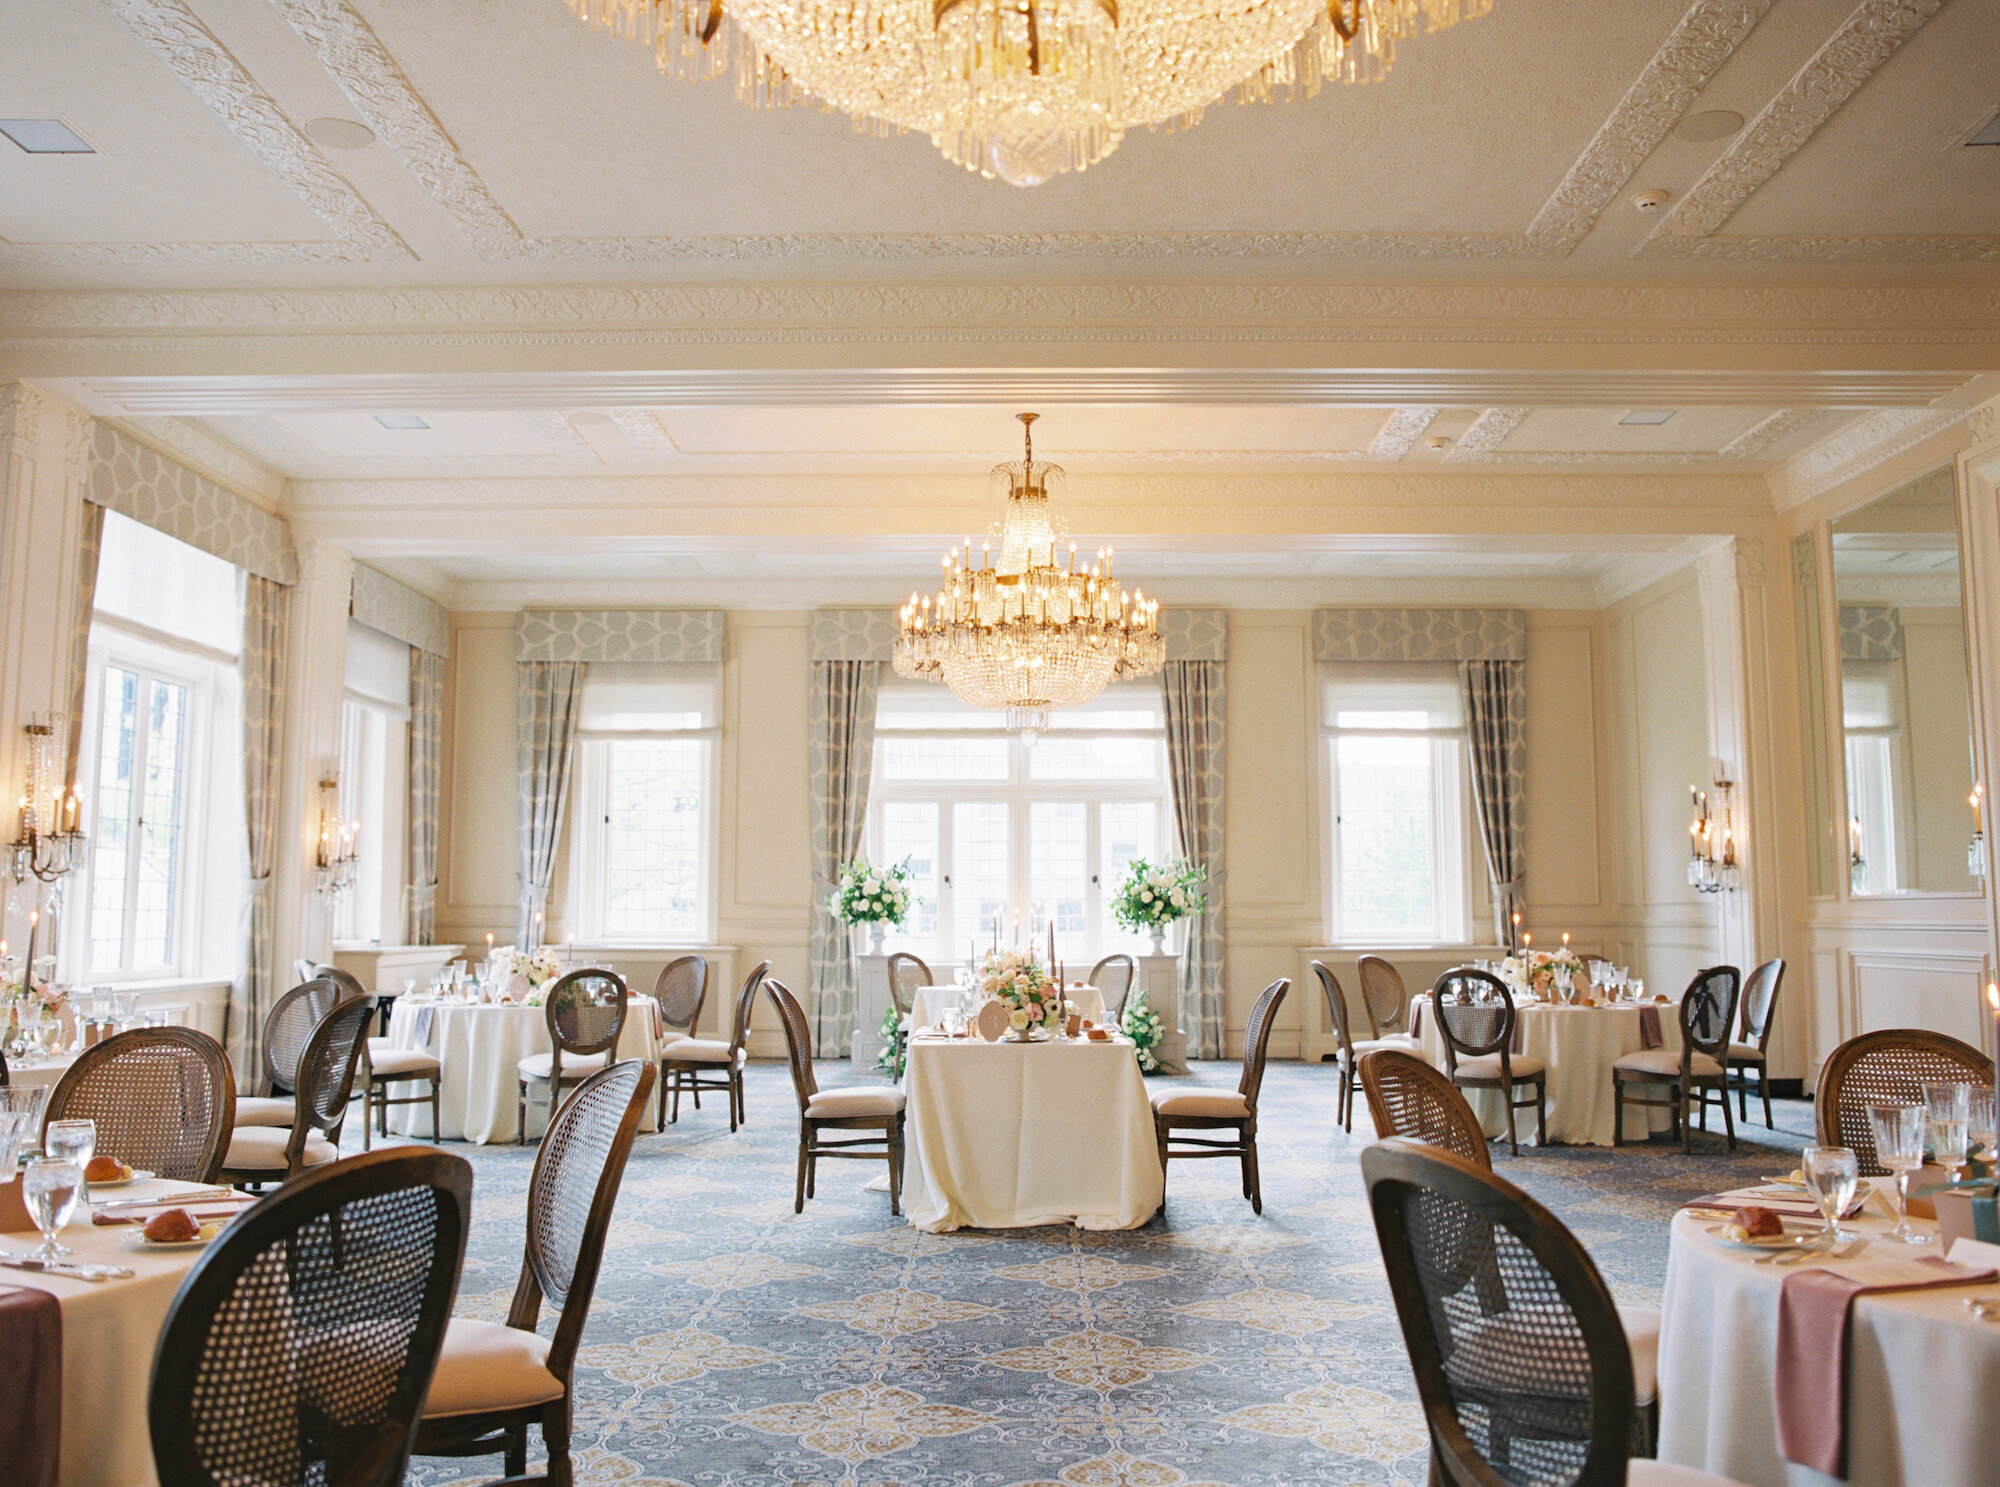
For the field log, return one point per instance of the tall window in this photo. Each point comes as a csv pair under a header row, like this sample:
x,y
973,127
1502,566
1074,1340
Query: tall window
x,y
1398,794
1004,834
374,783
644,845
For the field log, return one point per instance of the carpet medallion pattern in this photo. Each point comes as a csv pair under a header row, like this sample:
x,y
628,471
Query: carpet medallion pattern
x,y
734,1342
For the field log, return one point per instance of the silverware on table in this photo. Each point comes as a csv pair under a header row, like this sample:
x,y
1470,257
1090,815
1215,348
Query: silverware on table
x,y
93,1273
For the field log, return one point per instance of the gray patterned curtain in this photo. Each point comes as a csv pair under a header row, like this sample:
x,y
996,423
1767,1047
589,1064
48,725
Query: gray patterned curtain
x,y
841,728
90,546
1496,711
426,764
546,698
1195,757
267,610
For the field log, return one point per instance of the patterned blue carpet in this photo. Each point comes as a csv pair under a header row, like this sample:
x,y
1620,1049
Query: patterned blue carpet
x,y
733,1342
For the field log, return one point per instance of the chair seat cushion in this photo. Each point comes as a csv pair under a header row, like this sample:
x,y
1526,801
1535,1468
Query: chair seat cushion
x,y
489,1366
575,1065
1640,1472
1745,1053
262,1149
265,1110
1662,1063
399,1063
831,1104
1221,1104
1395,1041
1642,1335
700,1051
1487,1066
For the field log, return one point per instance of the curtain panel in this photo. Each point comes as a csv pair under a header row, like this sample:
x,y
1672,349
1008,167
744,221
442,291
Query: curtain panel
x,y
267,609
841,756
1193,692
426,771
1496,714
546,698
90,546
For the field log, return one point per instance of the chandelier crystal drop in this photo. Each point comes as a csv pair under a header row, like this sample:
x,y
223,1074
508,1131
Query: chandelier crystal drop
x,y
1024,89
1018,625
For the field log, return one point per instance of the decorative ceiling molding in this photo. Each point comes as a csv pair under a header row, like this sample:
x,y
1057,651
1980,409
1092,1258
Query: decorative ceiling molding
x,y
194,55
1706,37
1859,447
1404,428
1921,248
1848,58
1488,432
644,433
1759,437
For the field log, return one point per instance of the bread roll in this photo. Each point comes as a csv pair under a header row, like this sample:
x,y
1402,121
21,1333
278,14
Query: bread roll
x,y
174,1226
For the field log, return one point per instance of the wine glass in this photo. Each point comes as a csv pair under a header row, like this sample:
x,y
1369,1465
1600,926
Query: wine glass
x,y
126,1008
1949,1107
51,1186
1831,1175
1979,1122
72,1141
1899,1146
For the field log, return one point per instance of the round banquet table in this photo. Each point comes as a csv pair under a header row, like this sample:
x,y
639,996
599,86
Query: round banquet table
x,y
1922,1374
1009,1135
1579,1045
479,1046
43,1071
928,1005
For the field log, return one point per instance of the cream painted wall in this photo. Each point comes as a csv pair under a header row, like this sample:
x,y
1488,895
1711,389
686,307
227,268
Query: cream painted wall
x,y
1940,739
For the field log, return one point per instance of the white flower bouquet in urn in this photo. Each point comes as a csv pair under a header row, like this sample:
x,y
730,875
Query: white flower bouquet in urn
x,y
875,896
1154,895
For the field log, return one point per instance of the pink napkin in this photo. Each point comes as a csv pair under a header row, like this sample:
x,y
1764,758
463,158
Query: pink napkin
x,y
1649,1027
1815,1307
31,1404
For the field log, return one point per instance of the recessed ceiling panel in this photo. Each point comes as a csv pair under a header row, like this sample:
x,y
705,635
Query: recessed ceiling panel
x,y
1598,431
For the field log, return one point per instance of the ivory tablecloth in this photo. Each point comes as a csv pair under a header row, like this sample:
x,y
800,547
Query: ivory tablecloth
x,y
480,1046
1008,1135
1579,1045
928,1005
1922,1375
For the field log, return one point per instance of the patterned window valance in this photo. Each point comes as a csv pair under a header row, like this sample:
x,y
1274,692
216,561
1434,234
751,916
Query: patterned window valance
x,y
684,636
399,611
853,634
129,478
1871,632
1420,635
1195,634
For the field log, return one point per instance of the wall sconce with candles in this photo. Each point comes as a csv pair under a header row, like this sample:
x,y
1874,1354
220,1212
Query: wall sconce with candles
x,y
335,854
1975,850
51,844
1712,857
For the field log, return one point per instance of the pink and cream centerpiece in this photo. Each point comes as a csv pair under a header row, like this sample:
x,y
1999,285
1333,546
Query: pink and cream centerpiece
x,y
1036,1008
1548,975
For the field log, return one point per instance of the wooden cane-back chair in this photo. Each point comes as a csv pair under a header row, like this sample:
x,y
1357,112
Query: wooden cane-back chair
x,y
301,1344
261,1154
495,1380
695,1064
681,991
868,1109
1697,1072
1112,976
290,1022
907,973
1348,1049
1408,1097
1750,1053
163,1099
1383,997
1476,1018
1889,1067
1175,1110
585,1016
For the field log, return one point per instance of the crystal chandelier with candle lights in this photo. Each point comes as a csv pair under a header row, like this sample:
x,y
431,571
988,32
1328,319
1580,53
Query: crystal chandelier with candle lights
x,y
1024,89
1023,628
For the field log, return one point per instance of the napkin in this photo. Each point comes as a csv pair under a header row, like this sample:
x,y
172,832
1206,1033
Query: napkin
x,y
1815,1308
426,1020
31,1404
1786,1203
1649,1027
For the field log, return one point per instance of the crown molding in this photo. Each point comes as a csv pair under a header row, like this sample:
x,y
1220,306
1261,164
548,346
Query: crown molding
x,y
1858,448
1488,432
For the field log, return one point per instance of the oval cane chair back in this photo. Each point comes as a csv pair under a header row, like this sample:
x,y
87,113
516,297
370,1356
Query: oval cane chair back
x,y
1112,976
575,1184
347,981
746,1004
1257,1040
906,974
1884,1068
301,1345
293,1017
1760,999
1408,1097
1383,996
798,1041
681,990
1708,1012
1475,1014
163,1098
1521,1361
585,1013
326,1068
1336,1009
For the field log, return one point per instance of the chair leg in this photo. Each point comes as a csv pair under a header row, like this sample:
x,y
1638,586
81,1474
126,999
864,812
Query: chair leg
x,y
1542,1113
369,1112
555,1437
521,1139
799,1192
1617,1109
1507,1095
1742,1072
1764,1089
1160,1135
1253,1183
896,1167
1687,1121
437,1084
1347,1097
517,1451
735,1098
1728,1124
660,1121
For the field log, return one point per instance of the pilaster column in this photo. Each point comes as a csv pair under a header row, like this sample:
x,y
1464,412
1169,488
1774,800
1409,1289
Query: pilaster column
x,y
315,679
1979,527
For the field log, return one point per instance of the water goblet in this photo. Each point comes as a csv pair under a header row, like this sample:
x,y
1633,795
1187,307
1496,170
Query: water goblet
x,y
125,1005
1831,1175
1899,1146
1949,1107
50,1187
74,1141
1979,1122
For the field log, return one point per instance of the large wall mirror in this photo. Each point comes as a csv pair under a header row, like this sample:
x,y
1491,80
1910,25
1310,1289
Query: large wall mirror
x,y
1905,697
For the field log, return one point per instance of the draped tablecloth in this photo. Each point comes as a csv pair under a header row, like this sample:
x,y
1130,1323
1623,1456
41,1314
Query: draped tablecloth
x,y
1008,1135
479,1046
1922,1374
928,1005
1579,1045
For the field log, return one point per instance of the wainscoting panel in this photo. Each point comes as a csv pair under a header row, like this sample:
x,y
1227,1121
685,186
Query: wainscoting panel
x,y
1919,988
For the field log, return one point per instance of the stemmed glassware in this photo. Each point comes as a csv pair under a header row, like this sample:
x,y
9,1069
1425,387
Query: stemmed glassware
x,y
20,1118
1899,1146
1831,1175
1979,1122
72,1141
50,1189
1949,1107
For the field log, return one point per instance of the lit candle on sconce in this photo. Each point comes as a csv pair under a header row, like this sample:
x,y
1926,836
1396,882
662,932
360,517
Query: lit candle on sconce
x,y
1977,800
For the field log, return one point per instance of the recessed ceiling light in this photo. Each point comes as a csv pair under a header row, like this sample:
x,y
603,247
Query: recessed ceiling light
x,y
1648,417
45,137
340,134
1986,134
400,421
1714,123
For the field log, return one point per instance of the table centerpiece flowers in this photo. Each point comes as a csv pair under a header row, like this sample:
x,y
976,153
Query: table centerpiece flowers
x,y
1153,895
527,975
1036,1005
878,897
1550,975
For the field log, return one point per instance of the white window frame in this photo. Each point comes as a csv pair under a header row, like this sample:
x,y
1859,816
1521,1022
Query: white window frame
x,y
1453,827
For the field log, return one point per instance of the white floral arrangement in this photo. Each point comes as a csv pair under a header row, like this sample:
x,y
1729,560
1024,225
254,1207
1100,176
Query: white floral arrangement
x,y
527,975
1017,980
1549,974
1154,895
1145,1028
42,980
872,895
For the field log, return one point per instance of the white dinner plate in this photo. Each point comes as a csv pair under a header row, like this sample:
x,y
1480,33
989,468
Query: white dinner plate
x,y
1788,1240
122,1182
137,1239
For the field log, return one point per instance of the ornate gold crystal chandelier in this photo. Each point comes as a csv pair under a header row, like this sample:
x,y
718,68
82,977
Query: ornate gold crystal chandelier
x,y
1024,628
1024,89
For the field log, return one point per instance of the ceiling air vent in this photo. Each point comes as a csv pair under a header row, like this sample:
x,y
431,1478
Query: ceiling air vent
x,y
1647,417
45,137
